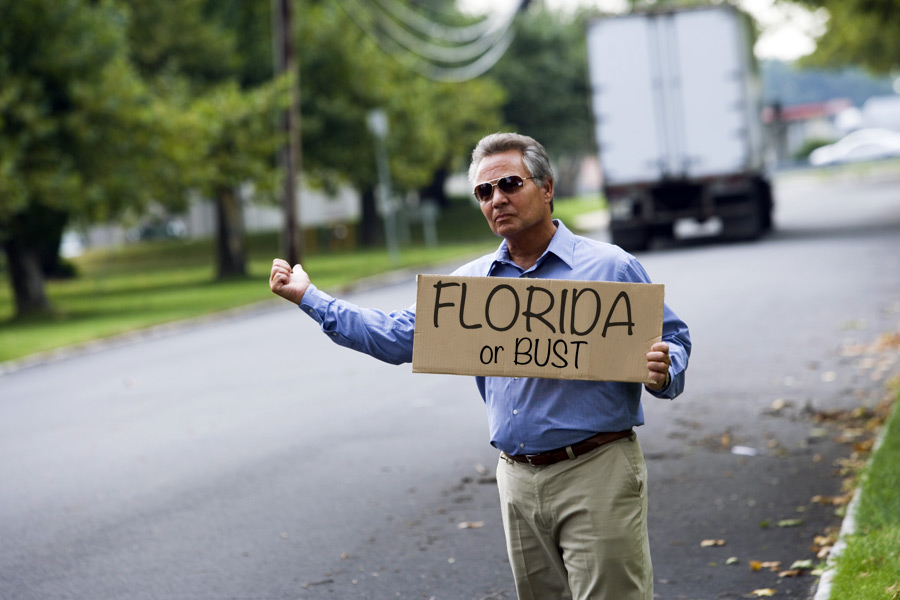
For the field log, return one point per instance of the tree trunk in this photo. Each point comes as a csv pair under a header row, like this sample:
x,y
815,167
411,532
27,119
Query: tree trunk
x,y
435,190
370,224
26,277
47,236
566,184
230,247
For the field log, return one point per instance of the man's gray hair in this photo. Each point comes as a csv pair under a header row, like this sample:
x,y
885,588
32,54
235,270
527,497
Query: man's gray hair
x,y
533,154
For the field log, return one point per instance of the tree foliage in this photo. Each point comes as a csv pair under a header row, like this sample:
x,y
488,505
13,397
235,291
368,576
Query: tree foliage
x,y
70,107
344,76
192,53
108,105
79,129
859,32
545,70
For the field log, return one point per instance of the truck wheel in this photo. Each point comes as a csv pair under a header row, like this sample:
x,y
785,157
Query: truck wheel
x,y
630,239
766,203
744,228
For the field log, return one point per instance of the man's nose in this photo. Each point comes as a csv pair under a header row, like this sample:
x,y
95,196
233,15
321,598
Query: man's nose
x,y
497,196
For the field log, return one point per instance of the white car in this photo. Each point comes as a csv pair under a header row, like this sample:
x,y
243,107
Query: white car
x,y
863,144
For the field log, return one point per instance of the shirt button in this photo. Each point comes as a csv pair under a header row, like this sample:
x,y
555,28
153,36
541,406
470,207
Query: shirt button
x,y
521,445
515,411
516,378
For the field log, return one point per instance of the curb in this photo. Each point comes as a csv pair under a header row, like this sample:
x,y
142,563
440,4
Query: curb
x,y
848,528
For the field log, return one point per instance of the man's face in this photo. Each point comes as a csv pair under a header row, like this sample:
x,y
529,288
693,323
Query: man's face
x,y
520,211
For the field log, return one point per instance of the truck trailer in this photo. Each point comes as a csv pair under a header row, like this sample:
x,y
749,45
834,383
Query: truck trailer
x,y
677,105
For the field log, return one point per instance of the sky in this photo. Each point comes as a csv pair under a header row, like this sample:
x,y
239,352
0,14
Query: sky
x,y
788,30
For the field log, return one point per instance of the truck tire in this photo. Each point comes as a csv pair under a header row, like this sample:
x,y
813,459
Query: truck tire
x,y
746,227
630,239
766,203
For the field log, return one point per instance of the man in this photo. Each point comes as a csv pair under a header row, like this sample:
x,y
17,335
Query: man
x,y
571,474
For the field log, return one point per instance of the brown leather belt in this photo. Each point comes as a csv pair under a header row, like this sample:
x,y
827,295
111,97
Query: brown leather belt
x,y
569,452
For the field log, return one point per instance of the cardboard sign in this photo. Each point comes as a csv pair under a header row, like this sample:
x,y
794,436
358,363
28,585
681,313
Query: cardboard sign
x,y
551,328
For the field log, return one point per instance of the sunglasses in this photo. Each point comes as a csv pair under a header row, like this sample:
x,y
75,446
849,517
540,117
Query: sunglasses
x,y
508,185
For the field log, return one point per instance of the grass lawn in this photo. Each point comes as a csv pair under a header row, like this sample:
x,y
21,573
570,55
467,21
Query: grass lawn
x,y
869,566
145,284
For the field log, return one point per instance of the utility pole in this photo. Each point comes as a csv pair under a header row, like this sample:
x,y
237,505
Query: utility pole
x,y
378,125
291,152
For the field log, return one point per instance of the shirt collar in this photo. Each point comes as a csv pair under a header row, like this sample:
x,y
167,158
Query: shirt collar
x,y
562,245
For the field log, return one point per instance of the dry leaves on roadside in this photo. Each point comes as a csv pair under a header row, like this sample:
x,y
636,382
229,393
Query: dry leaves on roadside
x,y
711,543
772,565
470,525
790,523
763,592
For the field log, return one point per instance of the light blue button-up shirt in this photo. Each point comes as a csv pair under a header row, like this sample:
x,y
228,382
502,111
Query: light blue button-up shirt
x,y
525,415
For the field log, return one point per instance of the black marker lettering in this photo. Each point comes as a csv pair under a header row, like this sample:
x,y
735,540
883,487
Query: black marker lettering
x,y
487,308
577,349
537,344
562,311
629,322
526,353
437,299
576,294
565,346
462,310
529,313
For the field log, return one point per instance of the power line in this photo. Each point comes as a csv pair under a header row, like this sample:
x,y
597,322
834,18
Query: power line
x,y
432,29
434,50
439,50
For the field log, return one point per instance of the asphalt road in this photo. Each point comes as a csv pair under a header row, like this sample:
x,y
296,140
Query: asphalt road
x,y
252,458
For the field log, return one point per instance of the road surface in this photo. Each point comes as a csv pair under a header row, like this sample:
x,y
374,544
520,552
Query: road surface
x,y
252,458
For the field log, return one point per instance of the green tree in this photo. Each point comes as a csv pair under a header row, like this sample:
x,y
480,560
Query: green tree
x,y
546,70
344,75
198,55
79,131
238,143
858,32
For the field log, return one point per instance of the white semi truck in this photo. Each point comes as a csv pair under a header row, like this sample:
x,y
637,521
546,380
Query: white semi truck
x,y
677,107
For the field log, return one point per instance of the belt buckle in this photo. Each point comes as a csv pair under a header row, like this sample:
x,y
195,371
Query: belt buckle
x,y
528,457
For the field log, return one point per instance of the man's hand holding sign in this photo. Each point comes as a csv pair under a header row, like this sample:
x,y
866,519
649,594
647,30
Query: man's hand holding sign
x,y
658,363
562,333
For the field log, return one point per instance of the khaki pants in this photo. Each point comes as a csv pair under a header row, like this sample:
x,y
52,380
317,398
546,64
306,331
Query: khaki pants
x,y
577,530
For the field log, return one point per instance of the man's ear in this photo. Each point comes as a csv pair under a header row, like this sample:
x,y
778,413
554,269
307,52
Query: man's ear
x,y
548,190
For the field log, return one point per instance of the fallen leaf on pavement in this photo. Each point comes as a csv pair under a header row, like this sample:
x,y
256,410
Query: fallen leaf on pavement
x,y
470,525
791,573
763,592
805,564
772,565
711,543
790,522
